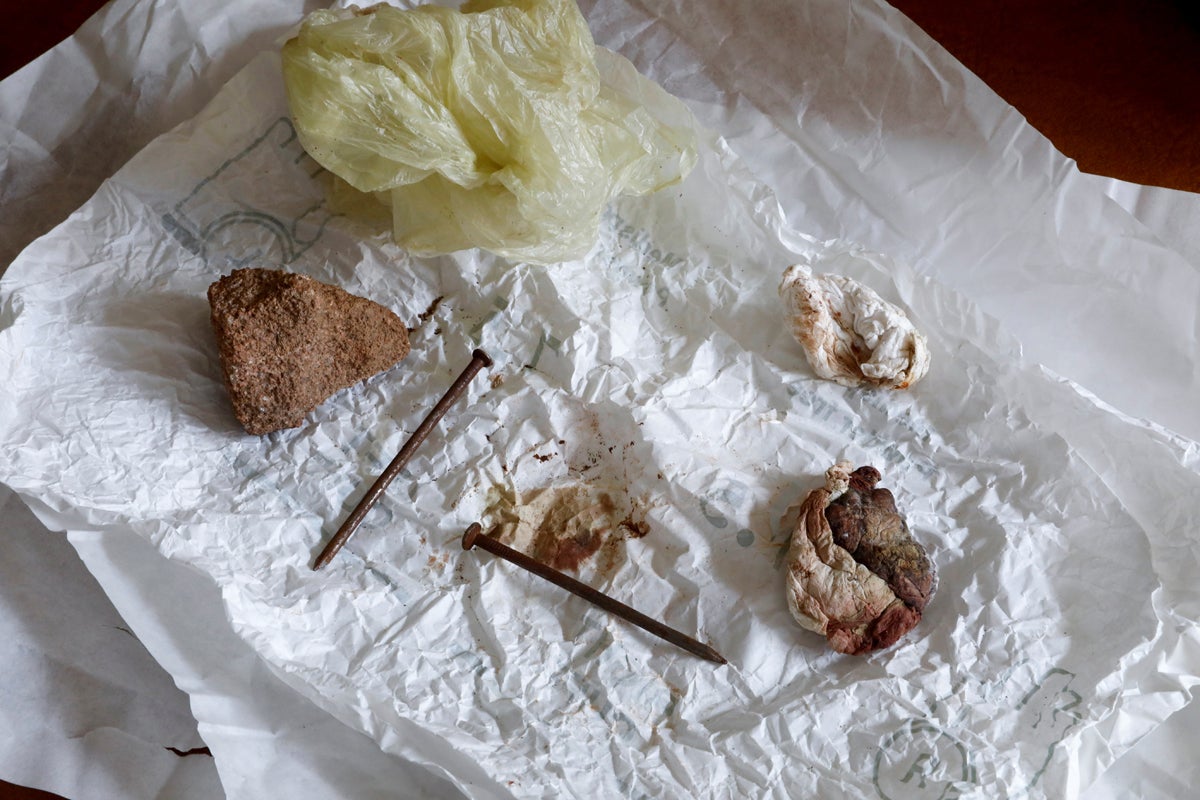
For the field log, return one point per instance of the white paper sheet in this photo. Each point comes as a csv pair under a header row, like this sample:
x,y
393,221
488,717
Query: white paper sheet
x,y
68,121
1171,215
266,741
80,111
750,136
713,424
867,130
86,711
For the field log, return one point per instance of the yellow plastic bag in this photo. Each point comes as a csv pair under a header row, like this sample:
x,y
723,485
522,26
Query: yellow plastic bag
x,y
487,127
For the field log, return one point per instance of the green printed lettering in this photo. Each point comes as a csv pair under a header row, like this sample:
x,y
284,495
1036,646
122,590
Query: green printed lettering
x,y
922,765
714,517
546,341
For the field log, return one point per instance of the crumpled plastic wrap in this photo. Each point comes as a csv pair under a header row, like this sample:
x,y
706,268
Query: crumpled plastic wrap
x,y
660,362
489,127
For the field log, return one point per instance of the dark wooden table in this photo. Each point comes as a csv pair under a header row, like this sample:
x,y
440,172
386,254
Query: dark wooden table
x,y
31,29
1114,84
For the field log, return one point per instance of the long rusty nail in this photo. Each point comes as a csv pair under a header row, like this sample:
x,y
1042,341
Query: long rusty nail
x,y
473,536
479,360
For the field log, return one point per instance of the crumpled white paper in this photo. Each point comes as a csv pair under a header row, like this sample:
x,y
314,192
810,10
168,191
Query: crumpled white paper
x,y
869,131
665,345
254,725
81,692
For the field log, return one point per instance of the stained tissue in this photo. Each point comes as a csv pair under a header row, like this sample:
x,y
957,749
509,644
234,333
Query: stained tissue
x,y
854,572
568,526
849,333
866,523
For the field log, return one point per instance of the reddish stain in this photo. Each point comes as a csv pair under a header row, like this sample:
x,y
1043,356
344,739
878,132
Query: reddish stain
x,y
567,553
636,529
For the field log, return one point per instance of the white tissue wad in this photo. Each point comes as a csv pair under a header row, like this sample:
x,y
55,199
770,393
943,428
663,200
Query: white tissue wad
x,y
660,367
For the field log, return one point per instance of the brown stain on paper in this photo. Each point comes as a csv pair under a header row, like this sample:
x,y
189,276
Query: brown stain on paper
x,y
569,527
427,313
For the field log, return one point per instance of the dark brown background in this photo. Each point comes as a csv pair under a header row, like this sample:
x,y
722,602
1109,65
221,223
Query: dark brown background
x,y
1114,84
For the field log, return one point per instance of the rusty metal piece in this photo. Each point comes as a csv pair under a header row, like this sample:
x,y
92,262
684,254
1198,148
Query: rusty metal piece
x,y
479,360
474,536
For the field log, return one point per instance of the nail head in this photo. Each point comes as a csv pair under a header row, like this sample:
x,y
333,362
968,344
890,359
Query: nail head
x,y
472,532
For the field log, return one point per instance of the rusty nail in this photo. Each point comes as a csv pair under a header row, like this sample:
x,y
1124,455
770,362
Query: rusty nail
x,y
474,536
479,360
